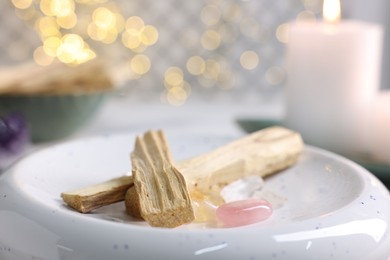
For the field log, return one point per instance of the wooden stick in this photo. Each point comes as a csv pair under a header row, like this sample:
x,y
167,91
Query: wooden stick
x,y
263,153
161,192
92,197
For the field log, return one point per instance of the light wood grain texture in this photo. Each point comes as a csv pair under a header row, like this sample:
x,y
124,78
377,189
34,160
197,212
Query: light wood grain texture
x,y
92,197
263,153
160,189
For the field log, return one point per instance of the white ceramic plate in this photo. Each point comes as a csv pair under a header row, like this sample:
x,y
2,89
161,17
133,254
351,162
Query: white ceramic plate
x,y
334,209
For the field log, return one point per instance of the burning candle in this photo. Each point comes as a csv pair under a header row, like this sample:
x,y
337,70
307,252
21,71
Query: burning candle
x,y
333,70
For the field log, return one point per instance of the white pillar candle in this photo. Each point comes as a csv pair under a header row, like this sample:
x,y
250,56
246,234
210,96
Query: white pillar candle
x,y
380,131
333,72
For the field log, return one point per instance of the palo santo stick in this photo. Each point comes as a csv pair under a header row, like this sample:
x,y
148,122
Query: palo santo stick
x,y
263,153
161,193
89,198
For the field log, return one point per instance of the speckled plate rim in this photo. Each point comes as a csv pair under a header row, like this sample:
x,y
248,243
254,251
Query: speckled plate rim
x,y
19,209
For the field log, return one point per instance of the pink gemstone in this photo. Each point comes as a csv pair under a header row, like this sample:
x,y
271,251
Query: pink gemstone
x,y
243,212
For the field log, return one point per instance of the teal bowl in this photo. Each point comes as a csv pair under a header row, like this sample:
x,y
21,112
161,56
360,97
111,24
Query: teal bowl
x,y
52,117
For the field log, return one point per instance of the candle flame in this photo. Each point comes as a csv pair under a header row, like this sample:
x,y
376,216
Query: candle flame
x,y
331,11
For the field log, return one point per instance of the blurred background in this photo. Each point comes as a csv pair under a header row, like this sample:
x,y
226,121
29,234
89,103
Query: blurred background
x,y
169,52
172,50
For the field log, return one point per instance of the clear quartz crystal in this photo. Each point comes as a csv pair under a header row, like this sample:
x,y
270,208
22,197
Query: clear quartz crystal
x,y
244,188
204,206
276,200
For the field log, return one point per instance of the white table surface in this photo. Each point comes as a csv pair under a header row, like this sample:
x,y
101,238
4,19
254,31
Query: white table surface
x,y
120,115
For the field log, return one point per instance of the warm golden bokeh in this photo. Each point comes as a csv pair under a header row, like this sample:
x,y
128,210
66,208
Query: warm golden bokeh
x,y
282,32
66,30
174,76
249,60
140,64
76,31
22,4
196,65
210,40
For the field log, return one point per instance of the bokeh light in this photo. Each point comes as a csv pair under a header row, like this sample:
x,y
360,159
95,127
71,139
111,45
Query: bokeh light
x,y
73,31
61,8
134,23
177,89
67,22
22,4
137,36
176,96
47,26
105,25
282,32
249,60
196,65
45,7
140,64
148,35
51,45
210,40
173,76
104,18
74,50
66,27
41,58
306,16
